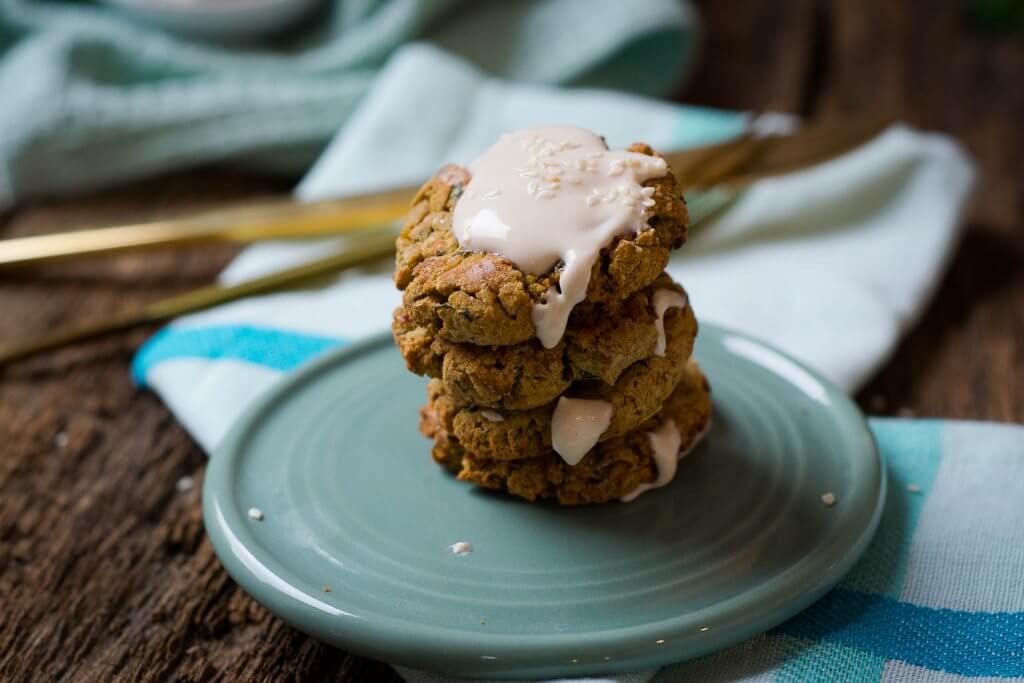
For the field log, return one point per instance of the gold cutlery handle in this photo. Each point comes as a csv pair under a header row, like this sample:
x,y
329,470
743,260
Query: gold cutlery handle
x,y
266,219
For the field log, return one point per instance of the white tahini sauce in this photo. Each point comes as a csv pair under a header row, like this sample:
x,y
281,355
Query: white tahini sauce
x,y
544,195
665,299
665,442
577,425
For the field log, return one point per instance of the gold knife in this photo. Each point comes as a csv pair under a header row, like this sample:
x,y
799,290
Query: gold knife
x,y
735,163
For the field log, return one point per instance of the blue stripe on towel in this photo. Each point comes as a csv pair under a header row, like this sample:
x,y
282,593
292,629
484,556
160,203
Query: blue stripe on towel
x,y
913,453
959,642
275,349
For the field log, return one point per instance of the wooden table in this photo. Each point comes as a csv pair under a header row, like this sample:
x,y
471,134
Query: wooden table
x,y
105,572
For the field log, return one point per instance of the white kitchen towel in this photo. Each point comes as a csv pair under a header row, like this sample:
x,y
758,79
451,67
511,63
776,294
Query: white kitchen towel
x,y
831,264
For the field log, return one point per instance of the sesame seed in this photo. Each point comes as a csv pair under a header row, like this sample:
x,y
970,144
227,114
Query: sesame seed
x,y
531,187
61,439
581,164
573,180
615,171
184,484
256,513
461,548
647,191
546,194
593,200
629,201
649,202
828,499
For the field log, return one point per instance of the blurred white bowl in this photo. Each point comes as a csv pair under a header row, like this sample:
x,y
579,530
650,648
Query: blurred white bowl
x,y
218,20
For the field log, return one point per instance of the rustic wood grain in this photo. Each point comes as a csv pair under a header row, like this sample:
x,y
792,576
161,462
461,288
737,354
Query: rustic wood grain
x,y
105,572
919,62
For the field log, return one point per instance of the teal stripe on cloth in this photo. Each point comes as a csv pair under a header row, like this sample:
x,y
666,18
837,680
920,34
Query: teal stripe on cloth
x,y
913,451
270,348
805,660
958,642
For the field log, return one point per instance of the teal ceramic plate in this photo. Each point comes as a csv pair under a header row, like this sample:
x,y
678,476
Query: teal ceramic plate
x,y
352,502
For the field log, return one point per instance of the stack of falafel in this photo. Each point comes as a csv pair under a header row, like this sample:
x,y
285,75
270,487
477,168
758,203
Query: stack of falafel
x,y
466,322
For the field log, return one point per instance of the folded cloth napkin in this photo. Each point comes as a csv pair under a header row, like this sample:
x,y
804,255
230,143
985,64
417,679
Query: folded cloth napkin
x,y
831,264
88,98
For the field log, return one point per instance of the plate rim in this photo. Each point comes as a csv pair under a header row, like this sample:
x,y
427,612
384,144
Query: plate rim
x,y
418,645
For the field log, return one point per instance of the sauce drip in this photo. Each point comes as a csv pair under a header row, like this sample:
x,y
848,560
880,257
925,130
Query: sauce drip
x,y
665,442
663,300
577,425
